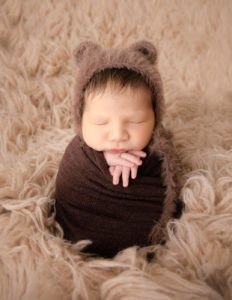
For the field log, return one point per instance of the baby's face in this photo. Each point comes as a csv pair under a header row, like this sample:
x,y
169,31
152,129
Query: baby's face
x,y
118,121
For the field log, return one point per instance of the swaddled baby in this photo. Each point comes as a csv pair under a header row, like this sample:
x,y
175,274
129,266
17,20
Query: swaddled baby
x,y
117,183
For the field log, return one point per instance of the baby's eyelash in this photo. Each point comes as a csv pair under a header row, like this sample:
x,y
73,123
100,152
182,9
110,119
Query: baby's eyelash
x,y
136,122
100,124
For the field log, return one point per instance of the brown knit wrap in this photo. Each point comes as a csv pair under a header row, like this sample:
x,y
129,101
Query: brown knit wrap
x,y
89,206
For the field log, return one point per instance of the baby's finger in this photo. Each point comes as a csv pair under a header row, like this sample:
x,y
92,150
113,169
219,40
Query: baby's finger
x,y
134,171
132,158
124,162
113,159
125,176
111,170
116,175
139,153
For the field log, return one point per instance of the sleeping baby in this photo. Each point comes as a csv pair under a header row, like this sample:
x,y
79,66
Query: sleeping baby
x,y
117,183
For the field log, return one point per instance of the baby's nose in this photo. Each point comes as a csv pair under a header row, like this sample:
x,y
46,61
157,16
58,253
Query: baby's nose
x,y
118,132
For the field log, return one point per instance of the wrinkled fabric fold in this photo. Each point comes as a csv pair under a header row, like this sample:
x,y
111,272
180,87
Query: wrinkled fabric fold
x,y
89,206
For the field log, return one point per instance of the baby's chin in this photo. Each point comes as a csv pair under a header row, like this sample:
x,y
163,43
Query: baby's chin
x,y
121,150
118,151
112,150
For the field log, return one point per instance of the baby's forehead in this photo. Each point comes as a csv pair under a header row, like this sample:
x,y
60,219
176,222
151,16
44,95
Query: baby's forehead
x,y
130,99
114,89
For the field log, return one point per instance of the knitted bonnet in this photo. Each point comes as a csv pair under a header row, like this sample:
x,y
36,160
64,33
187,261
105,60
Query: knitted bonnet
x,y
140,57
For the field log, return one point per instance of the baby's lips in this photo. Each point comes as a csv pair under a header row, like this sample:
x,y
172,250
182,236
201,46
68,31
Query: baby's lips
x,y
118,150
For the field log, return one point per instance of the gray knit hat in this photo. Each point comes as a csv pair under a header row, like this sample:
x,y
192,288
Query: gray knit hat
x,y
140,57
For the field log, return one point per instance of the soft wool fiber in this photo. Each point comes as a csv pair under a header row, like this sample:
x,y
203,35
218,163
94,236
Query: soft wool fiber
x,y
194,41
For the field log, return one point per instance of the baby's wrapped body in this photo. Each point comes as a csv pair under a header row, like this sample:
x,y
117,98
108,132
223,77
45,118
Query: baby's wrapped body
x,y
118,105
89,206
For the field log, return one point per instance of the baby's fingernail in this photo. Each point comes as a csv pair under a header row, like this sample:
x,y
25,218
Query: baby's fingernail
x,y
115,182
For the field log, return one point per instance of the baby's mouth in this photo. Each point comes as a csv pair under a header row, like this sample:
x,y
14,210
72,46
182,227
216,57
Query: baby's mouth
x,y
118,150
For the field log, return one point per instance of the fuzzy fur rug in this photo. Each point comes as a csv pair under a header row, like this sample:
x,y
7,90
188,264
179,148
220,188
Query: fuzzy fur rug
x,y
37,72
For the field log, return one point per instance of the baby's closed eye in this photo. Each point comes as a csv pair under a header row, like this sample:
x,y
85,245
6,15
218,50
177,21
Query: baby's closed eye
x,y
99,121
137,121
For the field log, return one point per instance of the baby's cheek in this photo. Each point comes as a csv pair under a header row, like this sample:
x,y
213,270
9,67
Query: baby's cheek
x,y
92,138
103,135
100,138
142,138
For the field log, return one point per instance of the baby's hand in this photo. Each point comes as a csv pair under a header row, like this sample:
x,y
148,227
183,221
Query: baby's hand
x,y
118,171
122,164
127,159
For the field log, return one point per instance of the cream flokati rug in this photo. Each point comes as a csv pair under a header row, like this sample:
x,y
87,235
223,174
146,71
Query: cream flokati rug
x,y
37,71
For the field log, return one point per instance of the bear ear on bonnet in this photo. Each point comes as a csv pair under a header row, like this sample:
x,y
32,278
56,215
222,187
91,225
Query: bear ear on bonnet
x,y
146,49
85,48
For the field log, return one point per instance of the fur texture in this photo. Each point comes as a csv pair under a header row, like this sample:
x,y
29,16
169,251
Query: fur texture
x,y
37,73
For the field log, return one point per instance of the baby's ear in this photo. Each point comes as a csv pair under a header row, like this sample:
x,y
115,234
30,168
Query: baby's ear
x,y
146,49
85,48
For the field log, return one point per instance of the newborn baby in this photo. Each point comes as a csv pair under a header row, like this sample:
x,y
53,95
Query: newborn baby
x,y
117,183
